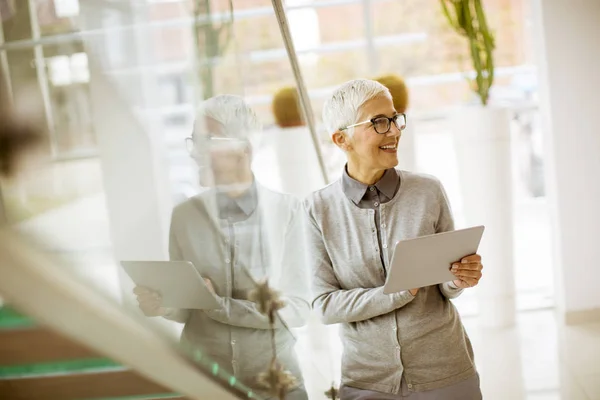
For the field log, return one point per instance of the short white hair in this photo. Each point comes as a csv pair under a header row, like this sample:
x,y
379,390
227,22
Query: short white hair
x,y
342,108
239,120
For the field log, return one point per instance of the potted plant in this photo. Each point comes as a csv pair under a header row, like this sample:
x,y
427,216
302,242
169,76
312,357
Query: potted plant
x,y
297,163
286,108
406,147
483,148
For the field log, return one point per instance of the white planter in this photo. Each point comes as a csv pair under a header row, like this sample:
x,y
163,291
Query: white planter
x,y
296,160
483,148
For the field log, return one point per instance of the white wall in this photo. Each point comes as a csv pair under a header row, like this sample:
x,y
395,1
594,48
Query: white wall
x,y
568,43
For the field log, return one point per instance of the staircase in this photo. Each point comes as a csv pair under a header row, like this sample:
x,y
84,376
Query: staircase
x,y
68,342
37,363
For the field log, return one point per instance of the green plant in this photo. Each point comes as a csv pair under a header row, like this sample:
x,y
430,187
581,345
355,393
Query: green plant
x,y
467,17
398,89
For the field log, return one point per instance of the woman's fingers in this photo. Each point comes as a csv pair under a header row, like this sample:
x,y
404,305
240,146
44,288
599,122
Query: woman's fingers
x,y
468,267
468,274
471,258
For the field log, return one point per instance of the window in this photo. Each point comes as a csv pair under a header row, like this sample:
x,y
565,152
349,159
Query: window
x,y
65,70
66,8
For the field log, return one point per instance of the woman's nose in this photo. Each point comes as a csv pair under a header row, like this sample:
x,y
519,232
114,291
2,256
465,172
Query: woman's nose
x,y
394,131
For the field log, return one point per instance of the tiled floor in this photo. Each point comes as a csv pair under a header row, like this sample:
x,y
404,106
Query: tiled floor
x,y
536,360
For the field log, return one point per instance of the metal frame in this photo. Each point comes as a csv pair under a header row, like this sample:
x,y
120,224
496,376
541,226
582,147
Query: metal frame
x,y
42,76
372,58
303,97
4,75
4,64
173,23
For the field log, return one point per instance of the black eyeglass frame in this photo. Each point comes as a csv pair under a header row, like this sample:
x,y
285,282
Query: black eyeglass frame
x,y
393,119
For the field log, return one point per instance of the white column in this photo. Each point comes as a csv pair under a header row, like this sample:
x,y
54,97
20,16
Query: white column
x,y
568,42
407,148
288,162
135,183
483,149
131,149
500,370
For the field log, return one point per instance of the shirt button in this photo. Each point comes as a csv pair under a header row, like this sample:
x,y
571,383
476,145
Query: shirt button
x,y
376,204
372,189
227,261
397,347
233,342
410,385
383,225
394,328
385,245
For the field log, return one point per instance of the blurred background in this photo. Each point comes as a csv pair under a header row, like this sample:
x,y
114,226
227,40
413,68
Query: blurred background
x,y
114,86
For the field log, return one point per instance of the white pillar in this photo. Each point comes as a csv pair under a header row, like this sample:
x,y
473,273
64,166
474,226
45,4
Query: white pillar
x,y
297,164
131,150
407,148
567,35
483,150
500,370
135,184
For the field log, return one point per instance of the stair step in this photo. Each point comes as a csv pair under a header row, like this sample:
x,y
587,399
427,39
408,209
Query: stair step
x,y
37,363
93,385
31,344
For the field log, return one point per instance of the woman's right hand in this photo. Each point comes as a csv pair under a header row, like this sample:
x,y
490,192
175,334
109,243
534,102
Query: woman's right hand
x,y
149,302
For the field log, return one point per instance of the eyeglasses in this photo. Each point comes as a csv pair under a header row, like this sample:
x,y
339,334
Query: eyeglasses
x,y
383,125
193,144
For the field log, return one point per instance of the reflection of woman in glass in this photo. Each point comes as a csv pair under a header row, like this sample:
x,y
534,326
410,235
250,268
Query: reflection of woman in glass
x,y
236,233
408,345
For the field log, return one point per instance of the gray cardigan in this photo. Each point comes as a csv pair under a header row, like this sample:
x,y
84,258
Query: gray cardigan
x,y
385,336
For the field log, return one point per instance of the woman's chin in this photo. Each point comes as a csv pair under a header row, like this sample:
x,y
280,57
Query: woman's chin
x,y
391,160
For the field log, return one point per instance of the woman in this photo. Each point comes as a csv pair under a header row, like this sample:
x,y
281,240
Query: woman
x,y
408,345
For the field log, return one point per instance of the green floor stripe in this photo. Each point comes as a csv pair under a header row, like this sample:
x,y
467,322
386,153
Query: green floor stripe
x,y
63,367
9,318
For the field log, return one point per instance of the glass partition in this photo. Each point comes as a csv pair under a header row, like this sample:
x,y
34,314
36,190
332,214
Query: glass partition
x,y
159,156
176,140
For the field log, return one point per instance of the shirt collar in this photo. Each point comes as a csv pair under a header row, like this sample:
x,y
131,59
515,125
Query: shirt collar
x,y
356,190
388,184
247,202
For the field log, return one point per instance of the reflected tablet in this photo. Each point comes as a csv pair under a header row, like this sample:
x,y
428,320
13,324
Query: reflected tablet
x,y
426,260
178,282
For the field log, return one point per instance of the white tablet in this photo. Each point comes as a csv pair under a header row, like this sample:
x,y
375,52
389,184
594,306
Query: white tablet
x,y
426,260
178,282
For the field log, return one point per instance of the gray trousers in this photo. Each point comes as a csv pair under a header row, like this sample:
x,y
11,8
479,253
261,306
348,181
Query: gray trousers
x,y
466,390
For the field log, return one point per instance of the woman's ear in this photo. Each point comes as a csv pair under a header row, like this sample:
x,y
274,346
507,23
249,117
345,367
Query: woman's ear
x,y
341,140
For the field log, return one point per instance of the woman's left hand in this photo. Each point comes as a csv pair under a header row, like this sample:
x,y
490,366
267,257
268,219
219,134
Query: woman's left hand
x,y
468,271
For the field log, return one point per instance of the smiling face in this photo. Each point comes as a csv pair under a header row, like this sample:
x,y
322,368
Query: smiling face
x,y
370,153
